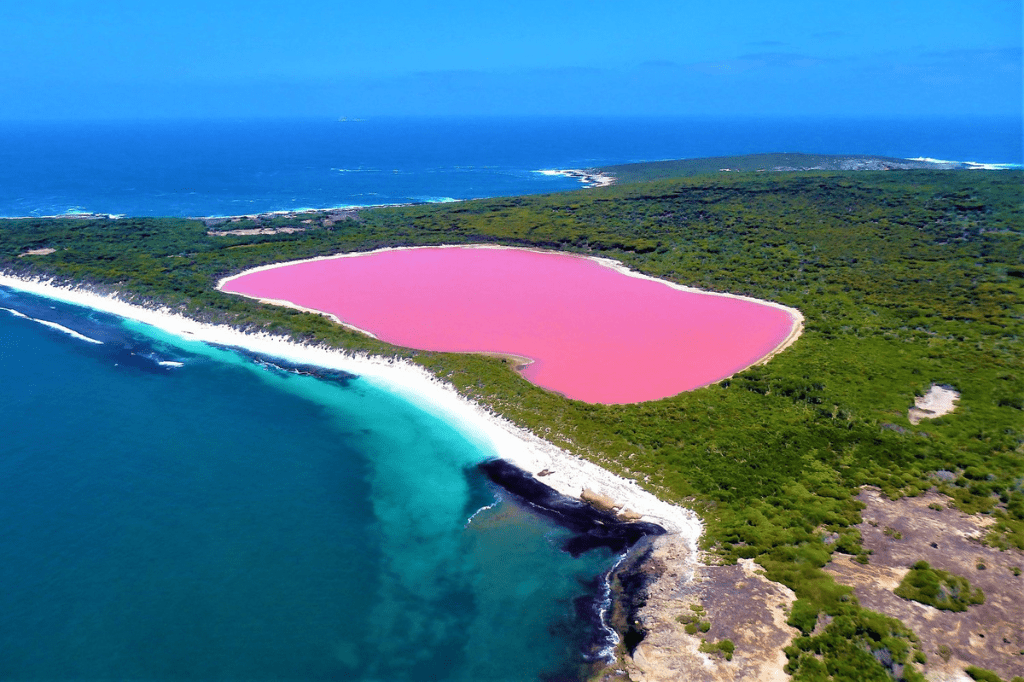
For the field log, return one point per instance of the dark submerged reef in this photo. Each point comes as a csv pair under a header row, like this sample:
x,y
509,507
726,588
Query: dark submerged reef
x,y
592,528
337,376
906,278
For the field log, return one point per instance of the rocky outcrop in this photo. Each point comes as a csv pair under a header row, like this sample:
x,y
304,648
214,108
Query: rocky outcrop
x,y
901,532
597,500
734,603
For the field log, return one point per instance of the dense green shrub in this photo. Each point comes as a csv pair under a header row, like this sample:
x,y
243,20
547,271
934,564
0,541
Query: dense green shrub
x,y
905,279
982,675
937,588
724,647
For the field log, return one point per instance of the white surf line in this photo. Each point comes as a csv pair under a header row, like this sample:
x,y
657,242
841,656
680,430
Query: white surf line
x,y
587,178
479,511
493,433
969,165
612,639
17,313
69,332
54,325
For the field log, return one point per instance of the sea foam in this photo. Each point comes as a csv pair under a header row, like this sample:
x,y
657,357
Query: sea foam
x,y
53,325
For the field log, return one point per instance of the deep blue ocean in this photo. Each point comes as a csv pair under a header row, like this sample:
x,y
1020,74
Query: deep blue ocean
x,y
206,168
174,511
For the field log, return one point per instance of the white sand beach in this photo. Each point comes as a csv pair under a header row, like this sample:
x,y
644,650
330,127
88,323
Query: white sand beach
x,y
569,475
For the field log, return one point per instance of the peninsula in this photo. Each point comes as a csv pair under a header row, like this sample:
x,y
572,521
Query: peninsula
x,y
906,278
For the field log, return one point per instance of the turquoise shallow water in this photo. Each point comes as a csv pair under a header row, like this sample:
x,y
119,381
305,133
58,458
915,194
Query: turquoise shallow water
x,y
227,519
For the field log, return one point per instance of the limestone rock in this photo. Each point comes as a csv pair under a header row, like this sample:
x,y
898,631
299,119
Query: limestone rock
x,y
629,515
602,502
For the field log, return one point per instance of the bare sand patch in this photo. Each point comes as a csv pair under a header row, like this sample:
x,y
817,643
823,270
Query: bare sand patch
x,y
256,230
939,400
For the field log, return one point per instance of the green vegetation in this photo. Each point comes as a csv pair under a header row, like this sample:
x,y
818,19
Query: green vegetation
x,y
684,168
983,675
696,621
723,646
938,588
856,645
906,278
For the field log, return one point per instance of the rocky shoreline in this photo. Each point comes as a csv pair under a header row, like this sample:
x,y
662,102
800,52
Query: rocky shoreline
x,y
673,617
588,177
619,516
592,527
617,612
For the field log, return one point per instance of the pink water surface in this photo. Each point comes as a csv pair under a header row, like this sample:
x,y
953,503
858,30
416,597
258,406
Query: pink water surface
x,y
593,334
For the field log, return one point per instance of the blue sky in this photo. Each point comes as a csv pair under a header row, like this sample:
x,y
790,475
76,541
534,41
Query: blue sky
x,y
106,59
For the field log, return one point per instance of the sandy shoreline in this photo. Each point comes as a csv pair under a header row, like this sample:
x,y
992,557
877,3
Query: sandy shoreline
x,y
569,474
565,473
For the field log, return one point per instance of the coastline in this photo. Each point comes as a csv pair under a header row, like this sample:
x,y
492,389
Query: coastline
x,y
588,177
565,473
528,464
628,604
650,642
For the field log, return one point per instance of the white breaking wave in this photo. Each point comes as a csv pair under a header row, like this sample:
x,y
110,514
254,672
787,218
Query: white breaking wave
x,y
569,475
170,363
974,165
480,511
16,313
437,200
69,332
54,325
612,639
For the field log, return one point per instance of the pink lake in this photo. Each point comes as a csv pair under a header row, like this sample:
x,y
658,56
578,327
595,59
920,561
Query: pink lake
x,y
592,332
